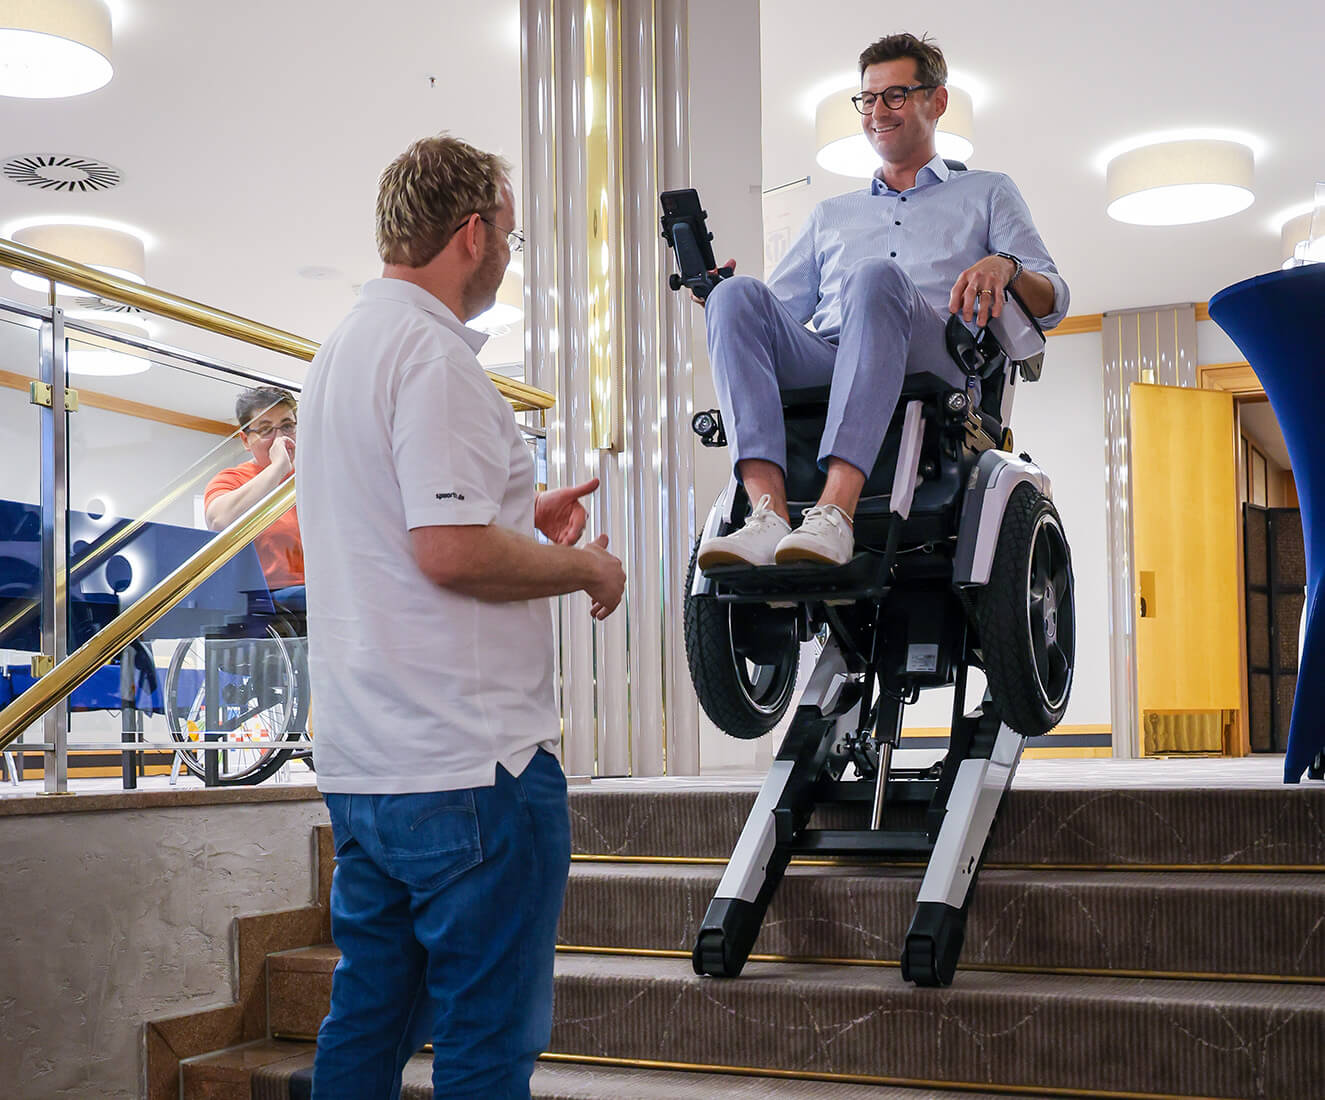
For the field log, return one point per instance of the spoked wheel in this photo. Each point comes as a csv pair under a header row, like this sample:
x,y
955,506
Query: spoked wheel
x,y
743,660
1026,616
262,699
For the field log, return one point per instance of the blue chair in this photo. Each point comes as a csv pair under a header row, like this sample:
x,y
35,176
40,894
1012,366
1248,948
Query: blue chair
x,y
1275,320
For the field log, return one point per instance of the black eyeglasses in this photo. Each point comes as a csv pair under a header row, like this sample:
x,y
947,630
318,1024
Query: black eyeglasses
x,y
893,97
268,431
514,238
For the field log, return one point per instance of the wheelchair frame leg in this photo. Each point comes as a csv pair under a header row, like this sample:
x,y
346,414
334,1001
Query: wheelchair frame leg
x,y
784,804
938,928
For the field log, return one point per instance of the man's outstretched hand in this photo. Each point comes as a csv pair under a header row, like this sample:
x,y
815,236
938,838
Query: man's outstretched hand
x,y
560,515
978,291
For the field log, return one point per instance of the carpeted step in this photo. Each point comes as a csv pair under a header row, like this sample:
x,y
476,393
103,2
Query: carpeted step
x,y
1030,1032
274,1074
1281,827
1042,1031
1147,922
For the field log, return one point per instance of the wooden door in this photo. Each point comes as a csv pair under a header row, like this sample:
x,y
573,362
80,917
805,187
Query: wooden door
x,y
1185,528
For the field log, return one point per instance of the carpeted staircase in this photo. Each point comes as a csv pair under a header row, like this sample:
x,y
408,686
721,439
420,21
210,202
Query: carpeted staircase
x,y
1122,943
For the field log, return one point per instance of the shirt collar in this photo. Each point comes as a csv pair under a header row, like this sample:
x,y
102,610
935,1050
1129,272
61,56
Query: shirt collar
x,y
934,171
398,290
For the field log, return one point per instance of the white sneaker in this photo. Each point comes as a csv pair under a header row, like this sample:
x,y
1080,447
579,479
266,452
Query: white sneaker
x,y
753,544
825,536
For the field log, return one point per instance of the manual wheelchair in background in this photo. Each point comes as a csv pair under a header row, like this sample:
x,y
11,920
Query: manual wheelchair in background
x,y
960,561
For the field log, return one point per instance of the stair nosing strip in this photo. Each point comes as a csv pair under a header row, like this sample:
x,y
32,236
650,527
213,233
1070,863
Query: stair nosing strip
x,y
840,861
860,1078
992,968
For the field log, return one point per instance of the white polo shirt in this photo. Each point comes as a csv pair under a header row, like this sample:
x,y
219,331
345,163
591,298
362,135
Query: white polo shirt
x,y
414,687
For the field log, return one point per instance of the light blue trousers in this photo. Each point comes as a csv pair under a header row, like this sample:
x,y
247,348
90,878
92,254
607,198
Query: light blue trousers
x,y
757,348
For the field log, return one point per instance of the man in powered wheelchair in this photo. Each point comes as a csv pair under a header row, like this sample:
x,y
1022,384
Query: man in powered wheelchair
x,y
914,544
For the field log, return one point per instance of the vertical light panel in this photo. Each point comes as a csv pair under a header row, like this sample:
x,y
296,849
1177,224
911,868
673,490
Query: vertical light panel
x,y
601,148
641,269
610,342
1147,345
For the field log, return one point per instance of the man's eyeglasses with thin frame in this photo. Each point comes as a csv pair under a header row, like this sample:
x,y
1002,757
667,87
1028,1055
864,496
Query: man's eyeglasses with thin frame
x,y
893,97
268,431
514,237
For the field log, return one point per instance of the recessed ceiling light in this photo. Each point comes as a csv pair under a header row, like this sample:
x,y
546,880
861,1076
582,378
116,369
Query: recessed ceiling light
x,y
1180,182
54,48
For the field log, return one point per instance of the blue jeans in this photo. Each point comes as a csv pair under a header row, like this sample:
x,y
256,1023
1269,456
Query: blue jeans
x,y
445,909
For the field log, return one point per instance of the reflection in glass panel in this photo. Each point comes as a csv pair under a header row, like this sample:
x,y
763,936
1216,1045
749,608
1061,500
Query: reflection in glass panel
x,y
153,451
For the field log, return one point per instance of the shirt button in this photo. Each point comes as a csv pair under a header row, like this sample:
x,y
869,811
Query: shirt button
x,y
897,223
904,198
892,253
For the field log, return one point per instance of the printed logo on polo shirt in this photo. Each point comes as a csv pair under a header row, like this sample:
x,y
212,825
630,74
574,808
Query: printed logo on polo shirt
x,y
450,496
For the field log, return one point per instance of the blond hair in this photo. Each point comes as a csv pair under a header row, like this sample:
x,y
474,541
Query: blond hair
x,y
428,191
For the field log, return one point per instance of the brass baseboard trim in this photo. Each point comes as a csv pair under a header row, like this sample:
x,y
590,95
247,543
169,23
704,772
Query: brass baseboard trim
x,y
721,861
989,968
859,1078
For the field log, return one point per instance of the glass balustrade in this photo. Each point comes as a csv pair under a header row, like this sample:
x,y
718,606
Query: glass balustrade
x,y
217,688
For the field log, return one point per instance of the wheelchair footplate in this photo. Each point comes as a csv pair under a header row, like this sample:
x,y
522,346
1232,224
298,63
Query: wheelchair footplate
x,y
865,576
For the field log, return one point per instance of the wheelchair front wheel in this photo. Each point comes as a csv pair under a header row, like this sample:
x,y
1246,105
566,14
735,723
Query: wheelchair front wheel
x,y
743,667
1026,617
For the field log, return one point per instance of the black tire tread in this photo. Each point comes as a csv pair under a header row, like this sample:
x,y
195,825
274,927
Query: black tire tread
x,y
1000,619
709,655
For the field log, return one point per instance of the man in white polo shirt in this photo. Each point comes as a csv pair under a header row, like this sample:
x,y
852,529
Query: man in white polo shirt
x,y
430,651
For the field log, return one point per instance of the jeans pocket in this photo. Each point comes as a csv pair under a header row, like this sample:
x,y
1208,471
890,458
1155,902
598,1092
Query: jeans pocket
x,y
428,839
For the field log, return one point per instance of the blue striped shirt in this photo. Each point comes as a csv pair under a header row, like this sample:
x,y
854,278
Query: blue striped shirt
x,y
935,231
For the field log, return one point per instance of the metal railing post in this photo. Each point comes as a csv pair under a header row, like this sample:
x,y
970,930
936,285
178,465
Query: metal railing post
x,y
55,540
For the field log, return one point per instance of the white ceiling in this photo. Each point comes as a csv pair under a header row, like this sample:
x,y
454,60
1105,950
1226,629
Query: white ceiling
x,y
250,135
1059,82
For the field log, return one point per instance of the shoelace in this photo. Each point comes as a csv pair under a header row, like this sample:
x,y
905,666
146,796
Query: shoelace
x,y
762,512
829,512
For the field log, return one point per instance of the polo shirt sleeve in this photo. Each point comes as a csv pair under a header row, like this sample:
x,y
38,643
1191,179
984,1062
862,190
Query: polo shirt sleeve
x,y
227,481
795,280
449,444
1012,230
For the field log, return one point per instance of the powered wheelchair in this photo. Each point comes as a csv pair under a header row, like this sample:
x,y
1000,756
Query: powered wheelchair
x,y
961,561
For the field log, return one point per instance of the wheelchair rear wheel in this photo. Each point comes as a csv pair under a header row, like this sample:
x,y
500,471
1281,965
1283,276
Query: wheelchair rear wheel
x,y
1025,616
743,660
262,682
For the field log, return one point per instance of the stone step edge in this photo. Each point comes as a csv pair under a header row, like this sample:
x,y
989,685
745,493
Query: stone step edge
x,y
846,861
994,968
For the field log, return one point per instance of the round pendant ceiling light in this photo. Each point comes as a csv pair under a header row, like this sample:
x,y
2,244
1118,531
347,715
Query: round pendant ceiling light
x,y
844,149
113,251
93,355
507,311
1296,244
1180,182
50,49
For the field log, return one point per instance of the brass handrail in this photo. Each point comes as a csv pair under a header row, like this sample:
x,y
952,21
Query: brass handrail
x,y
151,606
48,266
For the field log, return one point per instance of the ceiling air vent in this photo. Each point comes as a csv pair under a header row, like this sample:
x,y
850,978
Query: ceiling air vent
x,y
62,172
113,311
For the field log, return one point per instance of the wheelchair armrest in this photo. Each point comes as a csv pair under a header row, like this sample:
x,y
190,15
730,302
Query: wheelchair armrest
x,y
1017,332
